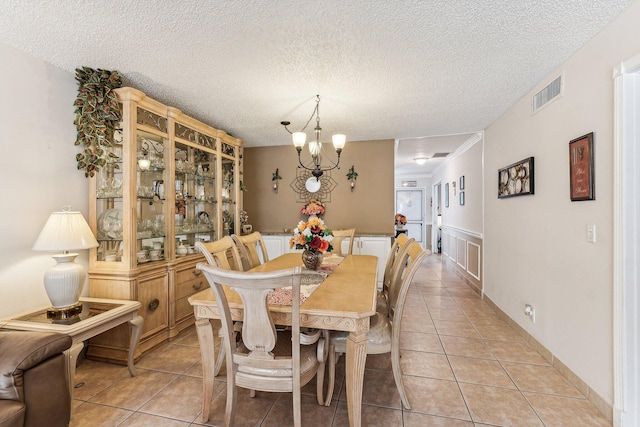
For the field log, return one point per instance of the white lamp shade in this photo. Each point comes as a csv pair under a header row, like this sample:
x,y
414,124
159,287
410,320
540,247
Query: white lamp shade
x,y
299,138
65,231
339,141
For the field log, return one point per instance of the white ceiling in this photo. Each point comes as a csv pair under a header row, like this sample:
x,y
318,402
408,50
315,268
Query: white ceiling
x,y
384,69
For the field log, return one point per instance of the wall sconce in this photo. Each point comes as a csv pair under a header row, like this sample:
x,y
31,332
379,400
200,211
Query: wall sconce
x,y
275,178
352,176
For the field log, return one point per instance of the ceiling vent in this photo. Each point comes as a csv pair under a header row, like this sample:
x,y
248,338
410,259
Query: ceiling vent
x,y
436,155
550,92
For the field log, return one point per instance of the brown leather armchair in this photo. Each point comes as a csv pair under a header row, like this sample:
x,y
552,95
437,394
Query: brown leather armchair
x,y
34,389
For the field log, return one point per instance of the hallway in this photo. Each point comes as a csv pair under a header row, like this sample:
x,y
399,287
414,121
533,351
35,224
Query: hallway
x,y
463,367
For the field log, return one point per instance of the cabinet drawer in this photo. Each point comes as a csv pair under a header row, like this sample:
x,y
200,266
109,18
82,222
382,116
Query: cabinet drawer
x,y
190,287
189,274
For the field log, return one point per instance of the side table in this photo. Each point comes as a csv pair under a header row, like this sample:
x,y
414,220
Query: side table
x,y
95,316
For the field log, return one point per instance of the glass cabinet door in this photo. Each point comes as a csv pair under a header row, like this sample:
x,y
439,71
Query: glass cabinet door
x,y
150,197
195,198
228,196
109,204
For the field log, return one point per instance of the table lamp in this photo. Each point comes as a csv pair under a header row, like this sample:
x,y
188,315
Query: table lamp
x,y
65,231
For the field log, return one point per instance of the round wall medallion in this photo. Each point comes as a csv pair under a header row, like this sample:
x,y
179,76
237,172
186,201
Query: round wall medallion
x,y
313,184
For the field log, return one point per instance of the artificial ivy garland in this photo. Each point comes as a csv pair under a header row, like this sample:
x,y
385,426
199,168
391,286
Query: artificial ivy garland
x,y
98,115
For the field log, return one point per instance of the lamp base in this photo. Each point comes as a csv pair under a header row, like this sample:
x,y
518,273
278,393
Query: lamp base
x,y
64,313
64,281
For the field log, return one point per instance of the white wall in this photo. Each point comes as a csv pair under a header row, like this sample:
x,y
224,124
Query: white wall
x,y
467,162
535,246
37,171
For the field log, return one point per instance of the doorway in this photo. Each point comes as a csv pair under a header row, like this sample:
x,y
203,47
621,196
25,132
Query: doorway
x,y
411,204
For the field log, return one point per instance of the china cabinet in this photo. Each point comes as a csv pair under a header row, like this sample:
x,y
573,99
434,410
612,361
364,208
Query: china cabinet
x,y
171,181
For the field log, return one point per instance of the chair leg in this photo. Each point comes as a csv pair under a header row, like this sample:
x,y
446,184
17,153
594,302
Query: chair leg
x,y
297,408
332,375
397,375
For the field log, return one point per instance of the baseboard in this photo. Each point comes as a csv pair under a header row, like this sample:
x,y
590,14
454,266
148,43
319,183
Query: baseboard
x,y
603,406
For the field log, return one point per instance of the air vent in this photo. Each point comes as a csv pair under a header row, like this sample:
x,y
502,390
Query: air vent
x,y
547,94
440,155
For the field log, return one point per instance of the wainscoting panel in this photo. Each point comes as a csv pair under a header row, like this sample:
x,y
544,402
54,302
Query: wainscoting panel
x,y
464,249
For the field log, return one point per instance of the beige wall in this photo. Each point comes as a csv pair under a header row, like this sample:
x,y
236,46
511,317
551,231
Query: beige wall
x,y
369,208
536,250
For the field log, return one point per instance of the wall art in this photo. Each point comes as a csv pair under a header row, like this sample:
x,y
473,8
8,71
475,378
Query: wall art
x,y
516,179
446,195
582,168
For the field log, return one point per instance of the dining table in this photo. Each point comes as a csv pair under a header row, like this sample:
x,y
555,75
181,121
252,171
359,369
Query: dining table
x,y
343,301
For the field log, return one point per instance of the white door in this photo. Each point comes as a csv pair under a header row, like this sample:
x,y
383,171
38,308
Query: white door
x,y
411,204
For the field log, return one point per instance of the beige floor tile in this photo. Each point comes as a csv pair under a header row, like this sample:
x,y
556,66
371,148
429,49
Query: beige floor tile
x,y
443,302
250,411
436,397
518,351
93,377
432,291
312,414
422,364
480,371
463,293
379,388
498,406
456,329
498,332
90,414
454,315
133,392
371,416
540,379
557,411
379,362
420,342
414,419
175,359
145,420
416,312
413,324
469,347
181,400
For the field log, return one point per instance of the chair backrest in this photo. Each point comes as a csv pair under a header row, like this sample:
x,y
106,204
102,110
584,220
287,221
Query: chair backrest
x,y
407,263
401,242
248,247
222,253
258,331
339,236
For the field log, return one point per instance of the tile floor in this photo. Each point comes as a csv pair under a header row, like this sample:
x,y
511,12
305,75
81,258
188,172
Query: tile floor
x,y
463,367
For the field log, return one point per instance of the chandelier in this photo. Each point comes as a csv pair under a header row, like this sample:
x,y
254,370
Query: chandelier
x,y
315,148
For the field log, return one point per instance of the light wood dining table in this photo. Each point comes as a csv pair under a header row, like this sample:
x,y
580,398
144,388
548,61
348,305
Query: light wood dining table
x,y
344,301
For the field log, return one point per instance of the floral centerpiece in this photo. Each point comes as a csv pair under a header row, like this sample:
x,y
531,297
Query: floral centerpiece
x,y
313,207
400,220
315,238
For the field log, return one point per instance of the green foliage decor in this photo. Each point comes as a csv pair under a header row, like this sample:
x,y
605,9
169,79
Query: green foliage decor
x,y
97,116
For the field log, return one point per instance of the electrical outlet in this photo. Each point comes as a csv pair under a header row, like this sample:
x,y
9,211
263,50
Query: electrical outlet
x,y
530,312
591,233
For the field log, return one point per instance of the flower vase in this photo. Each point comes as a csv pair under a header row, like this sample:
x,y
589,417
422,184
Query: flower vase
x,y
312,260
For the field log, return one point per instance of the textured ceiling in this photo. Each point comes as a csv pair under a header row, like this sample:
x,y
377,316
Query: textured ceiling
x,y
384,69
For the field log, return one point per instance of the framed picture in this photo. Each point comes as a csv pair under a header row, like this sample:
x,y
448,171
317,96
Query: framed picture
x,y
582,168
462,183
446,195
516,179
462,198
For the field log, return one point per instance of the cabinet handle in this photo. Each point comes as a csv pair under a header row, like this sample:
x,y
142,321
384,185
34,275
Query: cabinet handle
x,y
196,272
197,287
153,305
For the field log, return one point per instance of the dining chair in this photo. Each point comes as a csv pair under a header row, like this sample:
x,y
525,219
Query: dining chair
x,y
400,243
252,249
339,236
384,329
268,360
219,253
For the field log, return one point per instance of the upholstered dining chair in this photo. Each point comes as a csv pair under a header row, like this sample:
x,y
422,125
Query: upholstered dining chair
x,y
224,254
384,330
267,360
253,251
339,236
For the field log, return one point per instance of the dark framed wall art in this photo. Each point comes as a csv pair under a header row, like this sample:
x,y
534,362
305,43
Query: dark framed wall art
x,y
517,179
582,168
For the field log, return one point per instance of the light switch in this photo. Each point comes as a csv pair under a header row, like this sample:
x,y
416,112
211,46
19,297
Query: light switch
x,y
591,233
